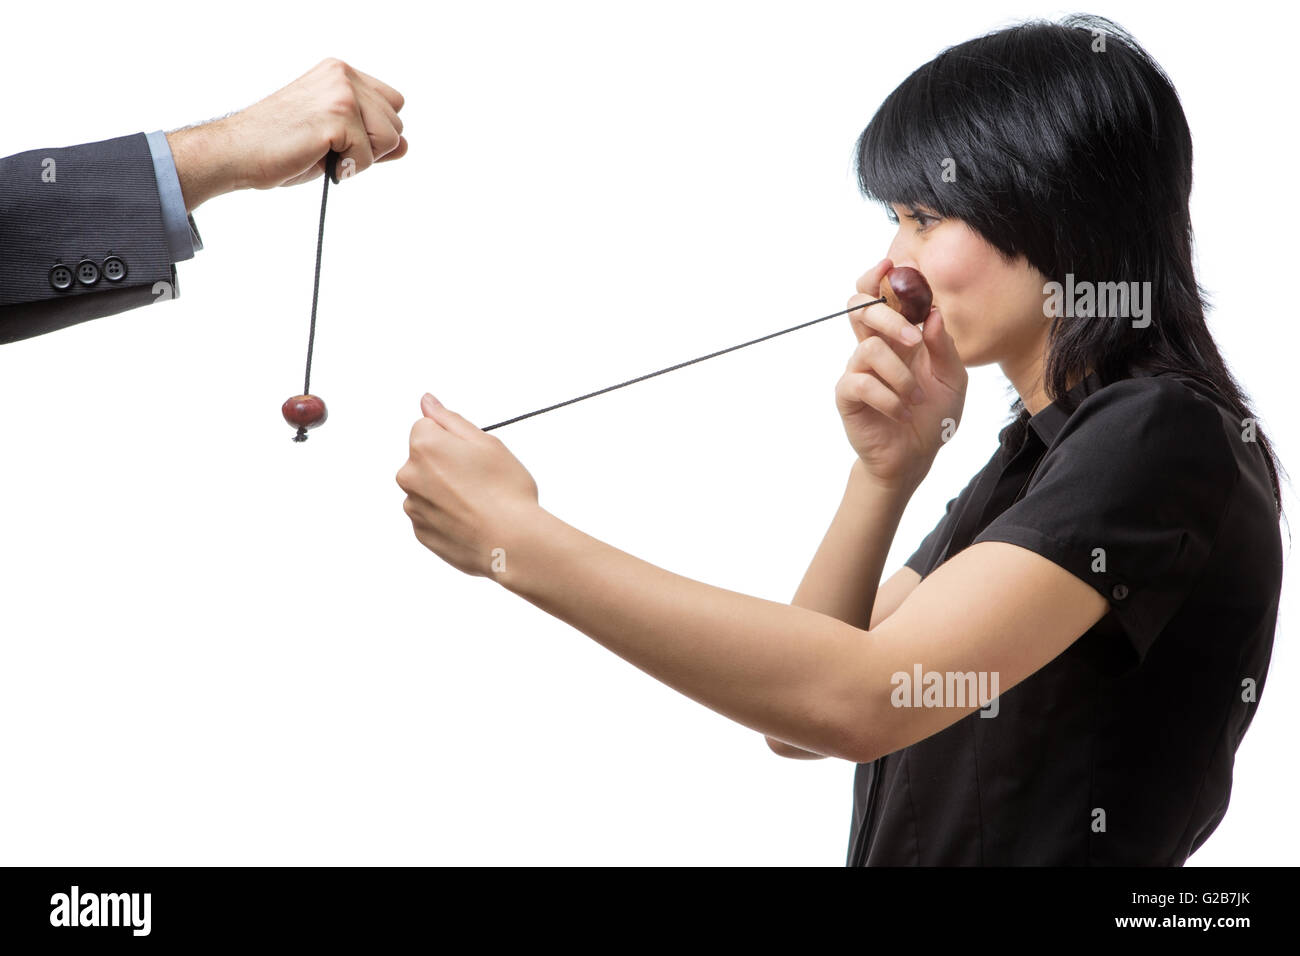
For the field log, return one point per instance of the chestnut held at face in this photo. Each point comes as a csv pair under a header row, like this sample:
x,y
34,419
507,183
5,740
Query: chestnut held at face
x,y
905,291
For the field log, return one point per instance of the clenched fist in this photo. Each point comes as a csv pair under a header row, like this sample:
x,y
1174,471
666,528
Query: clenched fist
x,y
903,388
283,140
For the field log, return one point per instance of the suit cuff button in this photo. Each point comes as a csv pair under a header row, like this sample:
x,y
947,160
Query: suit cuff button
x,y
87,272
61,278
114,269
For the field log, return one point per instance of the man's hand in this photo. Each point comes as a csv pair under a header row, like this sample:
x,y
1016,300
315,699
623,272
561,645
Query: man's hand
x,y
283,139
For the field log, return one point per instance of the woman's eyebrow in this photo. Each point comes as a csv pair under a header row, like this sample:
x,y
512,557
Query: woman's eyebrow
x,y
911,208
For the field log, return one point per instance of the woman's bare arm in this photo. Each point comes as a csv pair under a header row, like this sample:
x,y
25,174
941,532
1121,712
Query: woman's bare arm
x,y
842,579
890,595
790,672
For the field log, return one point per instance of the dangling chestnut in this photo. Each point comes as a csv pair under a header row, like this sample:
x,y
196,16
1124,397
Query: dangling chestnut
x,y
304,411
907,293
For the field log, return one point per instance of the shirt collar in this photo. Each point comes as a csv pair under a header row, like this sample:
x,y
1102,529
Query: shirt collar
x,y
1050,420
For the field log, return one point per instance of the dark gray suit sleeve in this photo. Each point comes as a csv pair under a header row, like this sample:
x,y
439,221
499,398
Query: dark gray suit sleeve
x,y
72,204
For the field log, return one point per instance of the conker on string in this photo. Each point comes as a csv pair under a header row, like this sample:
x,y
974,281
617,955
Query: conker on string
x,y
304,411
907,293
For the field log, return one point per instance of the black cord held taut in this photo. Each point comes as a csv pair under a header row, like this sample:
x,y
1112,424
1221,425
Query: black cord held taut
x,y
307,410
330,161
672,368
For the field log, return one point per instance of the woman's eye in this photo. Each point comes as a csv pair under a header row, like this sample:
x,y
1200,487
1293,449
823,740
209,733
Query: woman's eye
x,y
921,219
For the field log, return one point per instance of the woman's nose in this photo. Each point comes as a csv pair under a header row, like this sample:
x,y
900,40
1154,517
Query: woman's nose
x,y
900,253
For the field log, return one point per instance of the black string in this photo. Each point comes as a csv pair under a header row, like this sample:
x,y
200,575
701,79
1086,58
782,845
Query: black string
x,y
330,174
681,364
330,160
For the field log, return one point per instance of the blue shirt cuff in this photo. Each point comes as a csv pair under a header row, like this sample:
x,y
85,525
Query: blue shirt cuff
x,y
182,235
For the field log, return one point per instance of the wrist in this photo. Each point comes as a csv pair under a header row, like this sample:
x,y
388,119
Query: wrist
x,y
900,486
205,161
519,545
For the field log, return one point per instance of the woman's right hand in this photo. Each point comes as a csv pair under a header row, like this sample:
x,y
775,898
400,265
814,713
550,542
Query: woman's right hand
x,y
896,429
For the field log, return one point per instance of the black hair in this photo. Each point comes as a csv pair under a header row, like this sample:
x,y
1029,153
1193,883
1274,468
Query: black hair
x,y
1064,143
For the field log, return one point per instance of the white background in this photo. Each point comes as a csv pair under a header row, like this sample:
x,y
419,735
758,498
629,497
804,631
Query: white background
x,y
218,646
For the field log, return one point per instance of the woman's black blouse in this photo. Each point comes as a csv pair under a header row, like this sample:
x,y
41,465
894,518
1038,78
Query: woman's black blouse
x,y
1120,750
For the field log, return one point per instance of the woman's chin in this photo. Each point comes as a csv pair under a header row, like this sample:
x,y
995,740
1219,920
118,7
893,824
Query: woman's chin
x,y
974,356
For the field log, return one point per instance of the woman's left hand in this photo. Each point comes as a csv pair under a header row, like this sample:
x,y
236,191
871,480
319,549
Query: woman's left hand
x,y
464,490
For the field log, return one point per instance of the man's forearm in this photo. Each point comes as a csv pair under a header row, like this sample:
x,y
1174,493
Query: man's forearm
x,y
206,164
784,671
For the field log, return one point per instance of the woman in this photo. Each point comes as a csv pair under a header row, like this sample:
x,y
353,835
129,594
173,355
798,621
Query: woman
x,y
1064,668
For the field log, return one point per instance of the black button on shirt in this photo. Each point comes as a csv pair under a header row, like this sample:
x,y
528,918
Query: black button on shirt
x,y
1120,750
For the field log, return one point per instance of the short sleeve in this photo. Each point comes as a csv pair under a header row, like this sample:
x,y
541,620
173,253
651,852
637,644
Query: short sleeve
x,y
1129,497
923,559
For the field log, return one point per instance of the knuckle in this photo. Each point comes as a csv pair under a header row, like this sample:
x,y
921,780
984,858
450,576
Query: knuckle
x,y
343,102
